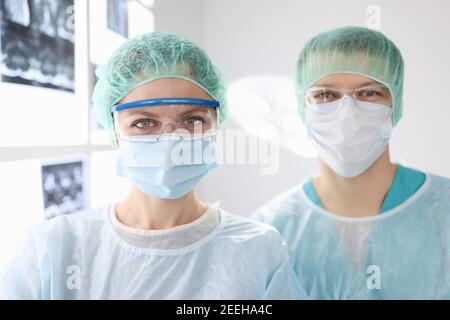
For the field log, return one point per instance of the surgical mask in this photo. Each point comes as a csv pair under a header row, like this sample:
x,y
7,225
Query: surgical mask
x,y
167,168
349,135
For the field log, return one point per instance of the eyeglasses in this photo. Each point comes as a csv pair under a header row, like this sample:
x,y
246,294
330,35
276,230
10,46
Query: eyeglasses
x,y
379,94
151,118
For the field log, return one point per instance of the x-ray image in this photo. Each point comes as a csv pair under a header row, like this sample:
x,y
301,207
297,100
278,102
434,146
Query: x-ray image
x,y
63,188
118,16
37,43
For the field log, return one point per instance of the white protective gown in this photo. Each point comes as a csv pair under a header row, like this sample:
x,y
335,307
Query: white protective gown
x,y
403,253
91,255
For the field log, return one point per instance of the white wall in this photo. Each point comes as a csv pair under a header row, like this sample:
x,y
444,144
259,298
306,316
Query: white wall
x,y
261,36
183,17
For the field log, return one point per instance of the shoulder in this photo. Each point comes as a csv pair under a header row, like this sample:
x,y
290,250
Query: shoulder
x,y
432,181
287,205
241,229
439,181
438,189
252,239
75,225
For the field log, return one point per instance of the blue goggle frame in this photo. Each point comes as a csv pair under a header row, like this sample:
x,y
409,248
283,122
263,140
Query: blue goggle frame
x,y
165,101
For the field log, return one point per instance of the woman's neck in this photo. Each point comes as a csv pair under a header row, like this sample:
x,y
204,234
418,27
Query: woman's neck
x,y
362,195
139,210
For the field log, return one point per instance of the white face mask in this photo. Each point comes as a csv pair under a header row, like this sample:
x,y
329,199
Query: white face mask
x,y
349,135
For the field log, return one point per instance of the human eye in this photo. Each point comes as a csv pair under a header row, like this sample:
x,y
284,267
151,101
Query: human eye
x,y
144,124
372,93
194,121
369,93
324,96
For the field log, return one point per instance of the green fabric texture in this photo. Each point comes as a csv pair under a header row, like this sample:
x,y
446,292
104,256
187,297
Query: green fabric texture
x,y
351,50
149,57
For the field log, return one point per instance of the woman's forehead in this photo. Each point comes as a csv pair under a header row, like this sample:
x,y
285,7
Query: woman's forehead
x,y
345,81
166,88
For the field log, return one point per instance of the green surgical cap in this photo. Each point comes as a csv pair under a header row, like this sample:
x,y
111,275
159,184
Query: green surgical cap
x,y
149,57
351,50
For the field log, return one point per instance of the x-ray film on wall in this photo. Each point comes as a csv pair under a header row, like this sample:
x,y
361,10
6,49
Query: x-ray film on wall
x,y
63,190
37,43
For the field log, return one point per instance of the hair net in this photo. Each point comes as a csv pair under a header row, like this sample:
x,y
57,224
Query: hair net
x,y
149,57
351,50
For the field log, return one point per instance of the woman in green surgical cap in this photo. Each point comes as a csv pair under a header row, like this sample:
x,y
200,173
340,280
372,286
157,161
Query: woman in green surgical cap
x,y
160,98
363,227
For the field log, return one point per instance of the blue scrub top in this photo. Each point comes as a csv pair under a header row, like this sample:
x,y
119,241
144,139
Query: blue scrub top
x,y
406,182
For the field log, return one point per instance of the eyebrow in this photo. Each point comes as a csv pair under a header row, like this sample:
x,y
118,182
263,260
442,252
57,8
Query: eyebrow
x,y
365,84
143,112
372,82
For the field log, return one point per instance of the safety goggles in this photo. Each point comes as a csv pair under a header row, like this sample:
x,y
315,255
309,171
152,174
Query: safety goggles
x,y
152,119
321,96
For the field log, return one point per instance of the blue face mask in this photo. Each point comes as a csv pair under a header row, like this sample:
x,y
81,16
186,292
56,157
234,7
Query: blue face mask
x,y
168,168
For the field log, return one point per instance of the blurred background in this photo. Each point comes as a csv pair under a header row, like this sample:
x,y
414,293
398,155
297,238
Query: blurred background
x,y
55,158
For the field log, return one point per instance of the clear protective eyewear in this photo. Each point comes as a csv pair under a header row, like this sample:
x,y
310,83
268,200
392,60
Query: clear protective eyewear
x,y
322,96
152,119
